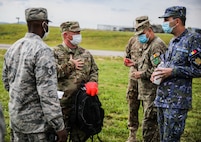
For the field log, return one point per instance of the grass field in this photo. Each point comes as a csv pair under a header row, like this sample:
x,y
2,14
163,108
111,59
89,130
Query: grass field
x,y
113,78
92,39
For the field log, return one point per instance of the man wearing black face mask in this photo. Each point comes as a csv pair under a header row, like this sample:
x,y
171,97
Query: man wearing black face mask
x,y
30,76
180,64
152,48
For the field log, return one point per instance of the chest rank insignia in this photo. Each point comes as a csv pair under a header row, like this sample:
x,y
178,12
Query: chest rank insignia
x,y
156,59
198,61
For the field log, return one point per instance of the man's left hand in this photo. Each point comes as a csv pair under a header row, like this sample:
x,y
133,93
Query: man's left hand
x,y
91,88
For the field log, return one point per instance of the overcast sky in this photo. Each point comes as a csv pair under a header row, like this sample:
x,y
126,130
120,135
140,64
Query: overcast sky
x,y
90,13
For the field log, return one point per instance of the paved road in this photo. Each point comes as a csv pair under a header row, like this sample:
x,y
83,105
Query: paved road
x,y
106,53
4,46
93,52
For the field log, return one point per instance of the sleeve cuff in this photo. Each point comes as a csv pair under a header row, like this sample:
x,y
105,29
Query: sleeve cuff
x,y
174,72
58,124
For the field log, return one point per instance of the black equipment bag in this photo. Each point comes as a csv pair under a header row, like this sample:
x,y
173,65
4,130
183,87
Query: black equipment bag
x,y
87,112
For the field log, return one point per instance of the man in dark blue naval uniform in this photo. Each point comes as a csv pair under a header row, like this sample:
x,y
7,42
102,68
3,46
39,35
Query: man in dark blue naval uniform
x,y
179,65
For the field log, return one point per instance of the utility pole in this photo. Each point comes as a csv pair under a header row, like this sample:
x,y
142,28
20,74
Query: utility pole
x,y
18,18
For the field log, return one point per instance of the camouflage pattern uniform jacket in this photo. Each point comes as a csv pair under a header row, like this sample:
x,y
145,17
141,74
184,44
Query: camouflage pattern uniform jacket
x,y
147,90
29,74
134,52
69,78
149,61
184,56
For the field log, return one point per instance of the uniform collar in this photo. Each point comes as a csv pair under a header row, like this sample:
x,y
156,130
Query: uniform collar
x,y
177,39
69,49
33,36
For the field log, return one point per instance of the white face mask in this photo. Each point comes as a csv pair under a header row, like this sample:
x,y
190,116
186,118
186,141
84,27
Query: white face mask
x,y
46,32
76,39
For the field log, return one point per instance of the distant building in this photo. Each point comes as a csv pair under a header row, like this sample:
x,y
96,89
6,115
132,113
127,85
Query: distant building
x,y
114,28
156,28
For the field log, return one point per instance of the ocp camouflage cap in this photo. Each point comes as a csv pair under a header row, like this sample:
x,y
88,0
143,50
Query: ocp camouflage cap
x,y
32,14
142,23
174,11
141,19
72,26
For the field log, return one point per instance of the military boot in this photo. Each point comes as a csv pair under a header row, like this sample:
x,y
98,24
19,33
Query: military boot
x,y
132,136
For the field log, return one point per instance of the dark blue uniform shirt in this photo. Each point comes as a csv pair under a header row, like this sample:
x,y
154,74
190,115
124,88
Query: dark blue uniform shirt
x,y
184,56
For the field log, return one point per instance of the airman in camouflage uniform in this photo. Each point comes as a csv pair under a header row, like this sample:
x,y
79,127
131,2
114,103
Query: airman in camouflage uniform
x,y
2,125
133,53
75,65
29,74
180,64
152,48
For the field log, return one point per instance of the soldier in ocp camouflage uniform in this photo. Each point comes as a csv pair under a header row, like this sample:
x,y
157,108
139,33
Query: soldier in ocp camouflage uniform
x,y
133,53
180,64
75,65
2,125
152,48
29,74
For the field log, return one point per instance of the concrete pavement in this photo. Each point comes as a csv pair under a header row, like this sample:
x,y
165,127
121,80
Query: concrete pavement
x,y
93,52
106,53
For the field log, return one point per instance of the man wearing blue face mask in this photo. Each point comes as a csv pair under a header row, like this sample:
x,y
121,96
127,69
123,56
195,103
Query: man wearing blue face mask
x,y
75,65
152,48
133,52
180,64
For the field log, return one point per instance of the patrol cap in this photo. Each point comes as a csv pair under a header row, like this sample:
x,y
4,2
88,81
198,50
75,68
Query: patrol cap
x,y
174,11
141,19
142,23
36,14
72,26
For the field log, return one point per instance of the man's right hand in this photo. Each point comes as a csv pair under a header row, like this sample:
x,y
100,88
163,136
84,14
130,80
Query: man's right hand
x,y
78,63
128,62
62,136
162,72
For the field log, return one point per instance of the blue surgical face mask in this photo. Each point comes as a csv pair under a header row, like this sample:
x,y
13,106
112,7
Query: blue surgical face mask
x,y
166,27
143,38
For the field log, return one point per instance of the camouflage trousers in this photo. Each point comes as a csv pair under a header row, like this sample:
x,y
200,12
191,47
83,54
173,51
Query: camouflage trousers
x,y
150,128
21,137
133,105
75,134
171,123
2,125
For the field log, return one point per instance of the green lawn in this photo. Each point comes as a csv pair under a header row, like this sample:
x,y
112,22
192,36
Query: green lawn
x,y
113,78
92,39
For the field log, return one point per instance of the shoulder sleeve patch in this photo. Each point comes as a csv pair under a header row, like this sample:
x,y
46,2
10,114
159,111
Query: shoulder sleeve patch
x,y
195,57
156,58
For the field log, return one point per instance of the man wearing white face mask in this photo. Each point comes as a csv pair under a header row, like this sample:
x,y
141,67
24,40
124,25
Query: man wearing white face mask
x,y
180,64
75,65
30,77
152,48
